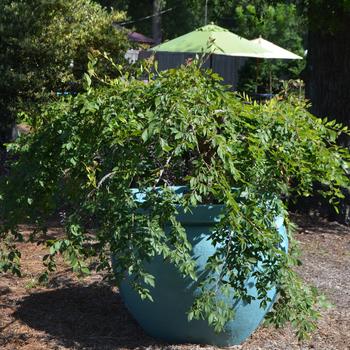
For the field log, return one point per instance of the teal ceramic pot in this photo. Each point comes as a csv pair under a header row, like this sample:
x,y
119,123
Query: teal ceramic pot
x,y
173,295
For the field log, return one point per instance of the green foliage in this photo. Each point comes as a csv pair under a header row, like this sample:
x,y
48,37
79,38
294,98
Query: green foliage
x,y
44,47
281,24
182,17
324,15
278,21
181,128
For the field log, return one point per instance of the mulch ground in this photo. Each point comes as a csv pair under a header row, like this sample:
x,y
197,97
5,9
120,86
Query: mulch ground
x,y
71,313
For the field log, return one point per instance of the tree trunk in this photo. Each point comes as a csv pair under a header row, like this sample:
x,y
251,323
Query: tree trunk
x,y
328,73
328,62
157,21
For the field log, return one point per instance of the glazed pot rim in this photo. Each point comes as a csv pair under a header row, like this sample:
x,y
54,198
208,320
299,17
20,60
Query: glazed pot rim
x,y
201,214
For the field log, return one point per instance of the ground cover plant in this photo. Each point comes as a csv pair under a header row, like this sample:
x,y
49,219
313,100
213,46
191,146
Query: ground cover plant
x,y
181,128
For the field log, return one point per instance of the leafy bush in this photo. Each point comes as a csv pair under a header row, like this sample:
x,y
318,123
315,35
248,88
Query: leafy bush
x,y
282,24
44,48
182,127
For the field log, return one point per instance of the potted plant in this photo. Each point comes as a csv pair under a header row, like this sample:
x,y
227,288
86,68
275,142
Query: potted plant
x,y
177,176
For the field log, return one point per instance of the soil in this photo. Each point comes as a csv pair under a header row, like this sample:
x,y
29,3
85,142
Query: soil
x,y
72,313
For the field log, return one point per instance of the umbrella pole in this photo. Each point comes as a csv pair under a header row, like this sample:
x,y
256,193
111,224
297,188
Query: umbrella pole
x,y
211,61
270,78
257,75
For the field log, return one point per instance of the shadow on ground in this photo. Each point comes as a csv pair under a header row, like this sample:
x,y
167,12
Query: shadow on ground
x,y
86,317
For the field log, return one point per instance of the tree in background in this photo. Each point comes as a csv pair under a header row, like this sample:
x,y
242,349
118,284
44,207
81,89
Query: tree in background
x,y
328,67
328,74
177,16
43,49
277,21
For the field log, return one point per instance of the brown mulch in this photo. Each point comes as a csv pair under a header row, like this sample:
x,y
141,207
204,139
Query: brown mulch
x,y
71,313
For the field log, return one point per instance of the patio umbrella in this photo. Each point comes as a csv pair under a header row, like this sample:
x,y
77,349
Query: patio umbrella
x,y
274,51
212,39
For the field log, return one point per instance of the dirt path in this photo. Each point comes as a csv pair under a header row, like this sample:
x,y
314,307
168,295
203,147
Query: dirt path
x,y
88,314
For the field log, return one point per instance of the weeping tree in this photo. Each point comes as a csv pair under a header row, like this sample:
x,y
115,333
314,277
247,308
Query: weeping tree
x,y
181,128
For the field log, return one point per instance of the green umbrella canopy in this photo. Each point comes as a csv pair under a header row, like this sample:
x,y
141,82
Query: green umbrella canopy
x,y
212,39
274,51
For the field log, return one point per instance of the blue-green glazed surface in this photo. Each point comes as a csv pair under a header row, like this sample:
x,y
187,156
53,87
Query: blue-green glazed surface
x,y
173,295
